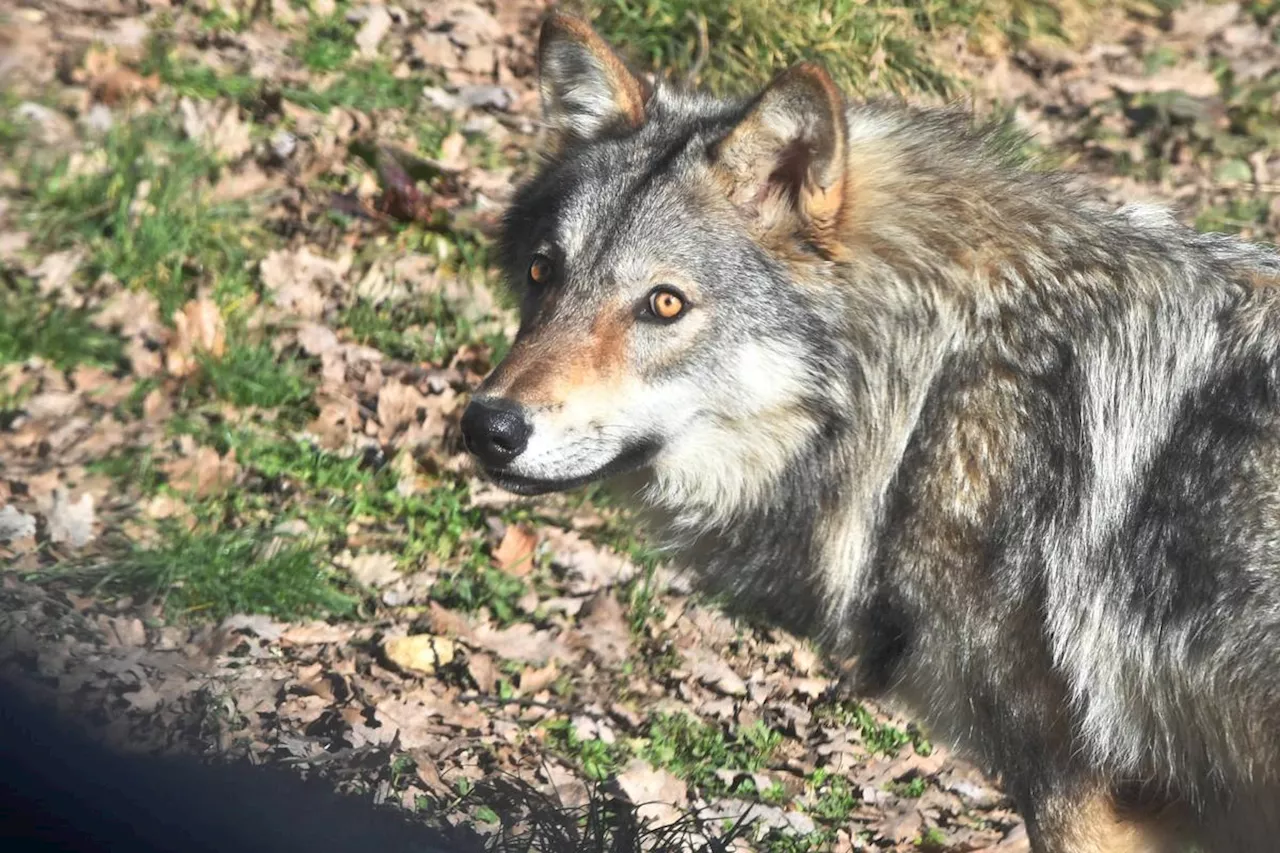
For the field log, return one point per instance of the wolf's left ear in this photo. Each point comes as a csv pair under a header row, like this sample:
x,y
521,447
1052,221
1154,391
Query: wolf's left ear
x,y
586,87
791,143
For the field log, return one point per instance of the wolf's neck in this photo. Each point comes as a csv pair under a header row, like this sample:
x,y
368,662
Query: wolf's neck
x,y
795,546
900,362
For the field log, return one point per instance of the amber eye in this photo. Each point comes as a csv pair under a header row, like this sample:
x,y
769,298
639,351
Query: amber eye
x,y
540,269
666,303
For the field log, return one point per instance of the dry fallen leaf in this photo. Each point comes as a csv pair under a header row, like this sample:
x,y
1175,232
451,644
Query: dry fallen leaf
x,y
203,473
335,423
56,271
1196,82
248,180
520,641
198,329
419,652
514,554
109,81
483,671
534,680
136,313
710,669
166,506
657,793
400,407
52,405
299,280
604,628
377,24
216,126
71,522
372,570
588,567
316,339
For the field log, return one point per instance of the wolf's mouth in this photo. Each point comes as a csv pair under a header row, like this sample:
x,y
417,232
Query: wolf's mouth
x,y
630,459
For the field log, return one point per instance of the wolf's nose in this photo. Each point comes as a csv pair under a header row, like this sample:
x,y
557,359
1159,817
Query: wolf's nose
x,y
495,431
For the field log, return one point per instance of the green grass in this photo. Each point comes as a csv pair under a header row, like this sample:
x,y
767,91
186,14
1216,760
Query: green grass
x,y
370,87
868,45
13,130
680,743
425,328
252,375
1235,216
475,586
417,330
133,467
694,750
363,86
32,325
213,574
12,401
932,839
878,738
193,80
833,798
328,43
913,788
143,217
291,478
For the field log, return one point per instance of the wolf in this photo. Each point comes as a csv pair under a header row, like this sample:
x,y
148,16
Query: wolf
x,y
1011,454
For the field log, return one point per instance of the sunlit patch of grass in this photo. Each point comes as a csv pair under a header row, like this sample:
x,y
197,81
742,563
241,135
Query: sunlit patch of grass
x,y
143,217
371,87
868,45
833,798
911,789
476,586
410,331
253,375
34,326
194,80
680,743
131,467
13,129
879,738
327,44
294,478
1235,216
211,574
694,750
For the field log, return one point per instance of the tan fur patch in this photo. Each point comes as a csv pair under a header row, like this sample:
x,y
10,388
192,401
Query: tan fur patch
x,y
1262,280
544,369
1098,825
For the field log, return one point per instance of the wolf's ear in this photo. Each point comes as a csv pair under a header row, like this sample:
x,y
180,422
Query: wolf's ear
x,y
791,144
586,87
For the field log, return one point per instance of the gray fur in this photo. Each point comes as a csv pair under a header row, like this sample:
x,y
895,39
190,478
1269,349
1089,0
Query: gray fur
x,y
1025,468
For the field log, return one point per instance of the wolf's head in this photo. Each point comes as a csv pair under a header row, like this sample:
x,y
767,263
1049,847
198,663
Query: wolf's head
x,y
669,257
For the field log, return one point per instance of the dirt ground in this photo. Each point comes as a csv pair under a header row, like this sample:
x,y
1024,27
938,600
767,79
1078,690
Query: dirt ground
x,y
235,518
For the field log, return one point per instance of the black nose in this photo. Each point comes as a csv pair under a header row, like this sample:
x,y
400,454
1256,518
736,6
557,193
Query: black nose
x,y
495,431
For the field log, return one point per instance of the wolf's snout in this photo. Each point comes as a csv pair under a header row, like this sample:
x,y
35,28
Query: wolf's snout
x,y
495,431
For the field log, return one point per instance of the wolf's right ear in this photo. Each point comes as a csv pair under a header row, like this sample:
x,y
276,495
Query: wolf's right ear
x,y
586,87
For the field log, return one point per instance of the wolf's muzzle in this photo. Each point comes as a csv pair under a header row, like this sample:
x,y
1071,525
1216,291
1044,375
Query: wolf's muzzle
x,y
495,431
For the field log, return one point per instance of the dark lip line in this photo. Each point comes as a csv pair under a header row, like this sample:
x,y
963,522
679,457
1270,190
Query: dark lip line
x,y
630,459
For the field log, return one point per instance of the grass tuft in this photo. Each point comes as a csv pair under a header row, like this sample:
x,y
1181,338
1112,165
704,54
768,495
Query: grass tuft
x,y
251,375
142,215
33,326
868,45
211,575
